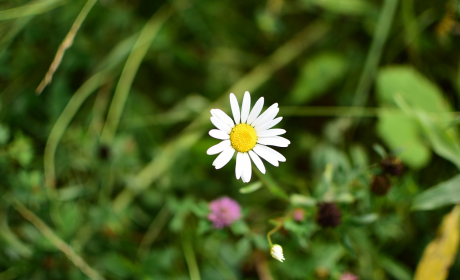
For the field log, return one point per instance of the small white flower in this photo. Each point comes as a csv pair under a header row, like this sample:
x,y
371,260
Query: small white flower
x,y
248,135
277,252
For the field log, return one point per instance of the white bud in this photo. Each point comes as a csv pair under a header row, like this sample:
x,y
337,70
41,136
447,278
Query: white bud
x,y
277,252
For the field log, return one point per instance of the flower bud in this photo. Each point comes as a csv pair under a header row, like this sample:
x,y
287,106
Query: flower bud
x,y
380,185
277,252
392,165
298,214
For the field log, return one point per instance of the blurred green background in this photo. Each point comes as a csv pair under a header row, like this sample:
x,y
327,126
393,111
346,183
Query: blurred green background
x,y
104,174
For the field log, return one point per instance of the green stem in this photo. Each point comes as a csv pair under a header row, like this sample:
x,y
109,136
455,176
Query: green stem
x,y
66,43
375,52
277,228
61,124
154,229
271,185
129,72
190,259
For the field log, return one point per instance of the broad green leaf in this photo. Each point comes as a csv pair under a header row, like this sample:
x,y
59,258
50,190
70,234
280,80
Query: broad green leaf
x,y
440,253
317,75
443,140
412,86
442,194
401,133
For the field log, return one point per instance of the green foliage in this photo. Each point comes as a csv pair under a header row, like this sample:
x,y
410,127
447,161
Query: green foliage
x,y
442,194
401,132
317,75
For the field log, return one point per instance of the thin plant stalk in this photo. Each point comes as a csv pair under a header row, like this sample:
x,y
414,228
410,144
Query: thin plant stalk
x,y
67,43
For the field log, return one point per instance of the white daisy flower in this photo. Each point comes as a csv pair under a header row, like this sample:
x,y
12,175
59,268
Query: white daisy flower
x,y
249,135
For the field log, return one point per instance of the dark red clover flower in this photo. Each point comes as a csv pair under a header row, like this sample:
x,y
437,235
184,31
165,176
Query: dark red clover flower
x,y
380,185
329,215
392,165
224,211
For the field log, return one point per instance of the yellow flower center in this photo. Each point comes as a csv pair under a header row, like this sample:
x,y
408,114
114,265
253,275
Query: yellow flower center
x,y
243,137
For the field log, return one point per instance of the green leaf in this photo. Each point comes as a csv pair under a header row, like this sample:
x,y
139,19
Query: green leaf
x,y
444,142
251,188
203,227
363,220
301,200
412,86
395,269
239,227
346,242
402,133
317,75
445,193
359,156
201,209
345,197
380,150
272,185
117,265
4,134
21,150
348,7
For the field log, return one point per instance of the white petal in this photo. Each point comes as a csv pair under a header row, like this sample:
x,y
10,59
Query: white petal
x,y
222,159
247,169
271,132
256,110
257,161
218,134
265,155
266,118
239,165
268,111
235,108
268,125
274,153
274,141
223,117
220,125
218,148
245,107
